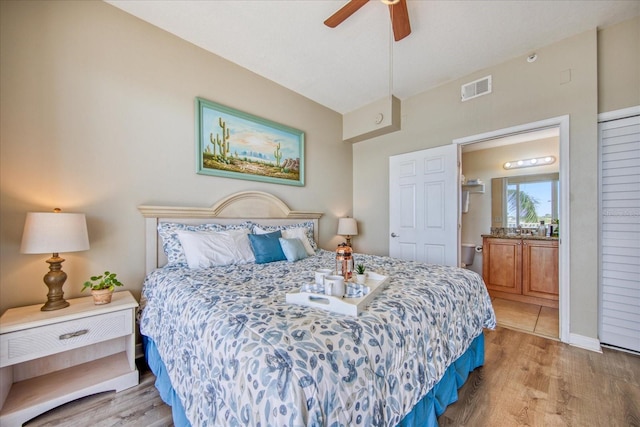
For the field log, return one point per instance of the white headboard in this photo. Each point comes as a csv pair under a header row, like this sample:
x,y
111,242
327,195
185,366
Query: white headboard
x,y
258,206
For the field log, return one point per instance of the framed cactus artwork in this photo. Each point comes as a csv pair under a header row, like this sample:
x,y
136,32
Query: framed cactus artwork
x,y
234,144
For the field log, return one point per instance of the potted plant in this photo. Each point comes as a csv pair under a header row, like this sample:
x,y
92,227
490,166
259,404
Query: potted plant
x,y
361,275
102,287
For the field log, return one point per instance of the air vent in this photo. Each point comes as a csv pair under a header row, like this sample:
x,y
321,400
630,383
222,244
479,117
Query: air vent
x,y
476,88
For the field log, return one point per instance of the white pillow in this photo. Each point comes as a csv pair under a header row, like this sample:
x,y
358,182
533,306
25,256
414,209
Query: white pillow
x,y
214,248
171,244
292,233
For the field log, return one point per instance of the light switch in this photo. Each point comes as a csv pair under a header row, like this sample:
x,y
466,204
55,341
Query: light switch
x,y
565,76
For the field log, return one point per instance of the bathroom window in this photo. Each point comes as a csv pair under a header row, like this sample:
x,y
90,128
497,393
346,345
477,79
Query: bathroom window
x,y
531,200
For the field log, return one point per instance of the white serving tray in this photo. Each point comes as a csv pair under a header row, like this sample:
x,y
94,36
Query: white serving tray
x,y
349,306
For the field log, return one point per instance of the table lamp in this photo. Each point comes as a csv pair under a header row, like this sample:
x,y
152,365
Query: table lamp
x,y
54,232
347,227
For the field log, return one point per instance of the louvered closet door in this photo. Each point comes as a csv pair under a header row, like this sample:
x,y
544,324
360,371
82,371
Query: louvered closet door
x,y
620,228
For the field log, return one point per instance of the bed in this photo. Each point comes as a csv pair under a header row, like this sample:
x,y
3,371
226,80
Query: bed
x,y
228,350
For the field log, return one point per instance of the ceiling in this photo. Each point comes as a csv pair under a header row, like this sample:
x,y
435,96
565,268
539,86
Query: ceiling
x,y
348,67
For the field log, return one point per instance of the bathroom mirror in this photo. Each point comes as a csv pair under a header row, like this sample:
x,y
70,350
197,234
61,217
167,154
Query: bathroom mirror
x,y
525,200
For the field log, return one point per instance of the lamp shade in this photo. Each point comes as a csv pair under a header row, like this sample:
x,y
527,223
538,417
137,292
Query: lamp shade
x,y
49,232
347,227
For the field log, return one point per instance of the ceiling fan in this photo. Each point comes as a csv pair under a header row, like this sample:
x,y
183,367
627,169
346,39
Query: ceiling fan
x,y
397,10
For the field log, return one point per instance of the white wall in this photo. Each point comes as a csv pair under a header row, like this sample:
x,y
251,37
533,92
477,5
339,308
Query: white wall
x,y
619,66
522,93
97,116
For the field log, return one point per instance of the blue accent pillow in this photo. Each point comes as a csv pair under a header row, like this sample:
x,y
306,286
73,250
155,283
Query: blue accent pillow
x,y
266,247
293,249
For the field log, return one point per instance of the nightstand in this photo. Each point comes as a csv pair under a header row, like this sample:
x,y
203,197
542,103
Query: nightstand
x,y
48,358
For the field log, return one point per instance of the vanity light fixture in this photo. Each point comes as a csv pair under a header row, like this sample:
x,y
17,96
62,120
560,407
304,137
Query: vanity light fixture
x,y
527,163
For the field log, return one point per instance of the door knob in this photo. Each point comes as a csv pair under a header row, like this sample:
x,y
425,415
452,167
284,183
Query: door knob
x,y
394,235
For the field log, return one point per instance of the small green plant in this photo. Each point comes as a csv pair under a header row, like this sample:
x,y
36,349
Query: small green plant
x,y
104,281
360,269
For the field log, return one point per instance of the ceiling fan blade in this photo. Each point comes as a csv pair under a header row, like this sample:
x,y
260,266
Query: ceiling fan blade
x,y
400,20
344,12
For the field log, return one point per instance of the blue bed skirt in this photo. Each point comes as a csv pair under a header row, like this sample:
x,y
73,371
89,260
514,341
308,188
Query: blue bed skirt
x,y
425,413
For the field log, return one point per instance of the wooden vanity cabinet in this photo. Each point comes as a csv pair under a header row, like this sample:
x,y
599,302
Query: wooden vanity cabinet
x,y
540,268
502,265
524,270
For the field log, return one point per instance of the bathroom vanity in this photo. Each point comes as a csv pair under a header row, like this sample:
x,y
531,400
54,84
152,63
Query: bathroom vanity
x,y
521,268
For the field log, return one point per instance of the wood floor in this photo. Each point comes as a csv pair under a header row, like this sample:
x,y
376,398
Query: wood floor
x,y
139,406
527,380
534,381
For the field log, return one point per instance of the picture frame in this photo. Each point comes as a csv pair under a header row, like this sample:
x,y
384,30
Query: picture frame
x,y
234,144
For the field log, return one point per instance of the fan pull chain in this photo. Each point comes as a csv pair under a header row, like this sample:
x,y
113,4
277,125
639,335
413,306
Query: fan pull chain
x,y
391,55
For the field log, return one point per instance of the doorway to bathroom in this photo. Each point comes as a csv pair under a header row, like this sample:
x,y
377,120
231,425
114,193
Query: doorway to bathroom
x,y
515,212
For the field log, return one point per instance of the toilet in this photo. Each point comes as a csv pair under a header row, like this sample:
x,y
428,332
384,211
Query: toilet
x,y
468,253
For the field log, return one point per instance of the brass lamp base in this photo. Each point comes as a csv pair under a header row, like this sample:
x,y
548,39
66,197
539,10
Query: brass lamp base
x,y
54,280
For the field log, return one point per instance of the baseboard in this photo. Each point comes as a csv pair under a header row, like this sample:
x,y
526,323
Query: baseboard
x,y
624,350
587,343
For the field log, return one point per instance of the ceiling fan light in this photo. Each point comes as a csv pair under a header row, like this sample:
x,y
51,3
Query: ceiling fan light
x,y
390,2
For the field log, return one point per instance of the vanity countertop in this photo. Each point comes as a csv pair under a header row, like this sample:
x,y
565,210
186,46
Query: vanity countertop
x,y
520,236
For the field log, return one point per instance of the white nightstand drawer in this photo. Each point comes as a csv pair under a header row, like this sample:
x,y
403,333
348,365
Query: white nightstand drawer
x,y
20,346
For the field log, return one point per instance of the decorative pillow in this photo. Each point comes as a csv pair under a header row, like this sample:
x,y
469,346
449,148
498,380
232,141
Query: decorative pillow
x,y
171,244
266,247
206,249
302,231
293,249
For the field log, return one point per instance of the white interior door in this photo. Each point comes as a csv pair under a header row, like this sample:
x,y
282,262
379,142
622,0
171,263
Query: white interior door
x,y
620,228
423,211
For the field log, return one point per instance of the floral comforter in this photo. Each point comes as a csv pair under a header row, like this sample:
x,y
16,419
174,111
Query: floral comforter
x,y
238,354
